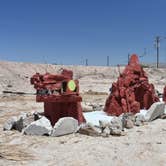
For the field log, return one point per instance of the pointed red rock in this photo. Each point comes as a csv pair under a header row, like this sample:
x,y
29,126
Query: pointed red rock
x,y
132,90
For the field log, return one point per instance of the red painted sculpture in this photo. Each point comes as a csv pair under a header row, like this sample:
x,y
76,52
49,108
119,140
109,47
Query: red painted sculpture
x,y
131,92
164,94
60,94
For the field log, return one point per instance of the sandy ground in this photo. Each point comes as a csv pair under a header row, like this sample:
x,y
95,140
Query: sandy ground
x,y
145,145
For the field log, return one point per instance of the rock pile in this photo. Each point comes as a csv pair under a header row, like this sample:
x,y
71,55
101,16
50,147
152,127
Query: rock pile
x,y
118,125
29,124
36,124
131,92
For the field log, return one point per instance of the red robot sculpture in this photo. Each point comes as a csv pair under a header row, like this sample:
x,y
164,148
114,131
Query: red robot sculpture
x,y
131,92
60,94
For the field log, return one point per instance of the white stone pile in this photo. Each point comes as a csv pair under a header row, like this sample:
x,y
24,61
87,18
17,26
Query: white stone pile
x,y
97,123
35,124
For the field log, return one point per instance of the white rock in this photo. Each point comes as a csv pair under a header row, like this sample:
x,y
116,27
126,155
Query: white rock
x,y
96,116
86,107
157,109
127,120
116,126
140,119
90,129
23,122
10,123
66,125
129,124
104,123
39,127
106,131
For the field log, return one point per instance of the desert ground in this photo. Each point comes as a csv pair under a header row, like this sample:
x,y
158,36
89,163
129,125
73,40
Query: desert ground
x,y
145,145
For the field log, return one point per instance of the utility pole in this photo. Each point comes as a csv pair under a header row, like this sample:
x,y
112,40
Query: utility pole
x,y
128,58
86,62
157,45
108,61
157,41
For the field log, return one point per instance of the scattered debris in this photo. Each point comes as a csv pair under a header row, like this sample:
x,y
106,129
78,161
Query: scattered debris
x,y
116,126
129,124
39,127
163,116
23,121
139,119
17,93
106,132
103,124
127,120
89,129
66,125
36,124
20,122
113,127
37,115
10,123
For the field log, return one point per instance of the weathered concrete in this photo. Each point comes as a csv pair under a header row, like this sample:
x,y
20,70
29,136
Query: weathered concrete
x,y
66,125
23,121
129,124
127,120
10,123
89,129
139,119
106,132
156,110
103,124
116,126
39,127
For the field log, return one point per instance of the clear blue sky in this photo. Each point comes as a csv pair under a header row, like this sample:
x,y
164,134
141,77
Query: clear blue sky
x,y
69,31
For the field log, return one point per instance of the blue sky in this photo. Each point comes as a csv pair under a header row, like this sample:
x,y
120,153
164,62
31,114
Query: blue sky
x,y
70,31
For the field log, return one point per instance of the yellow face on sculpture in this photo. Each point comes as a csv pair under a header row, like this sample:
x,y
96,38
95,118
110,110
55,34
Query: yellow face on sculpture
x,y
71,85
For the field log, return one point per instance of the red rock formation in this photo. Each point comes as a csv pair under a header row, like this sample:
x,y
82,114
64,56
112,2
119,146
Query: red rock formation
x,y
131,92
164,94
60,94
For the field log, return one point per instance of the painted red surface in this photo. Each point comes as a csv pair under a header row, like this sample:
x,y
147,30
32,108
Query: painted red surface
x,y
164,94
132,91
59,100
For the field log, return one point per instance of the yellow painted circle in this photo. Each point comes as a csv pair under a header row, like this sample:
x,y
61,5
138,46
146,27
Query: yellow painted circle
x,y
71,85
